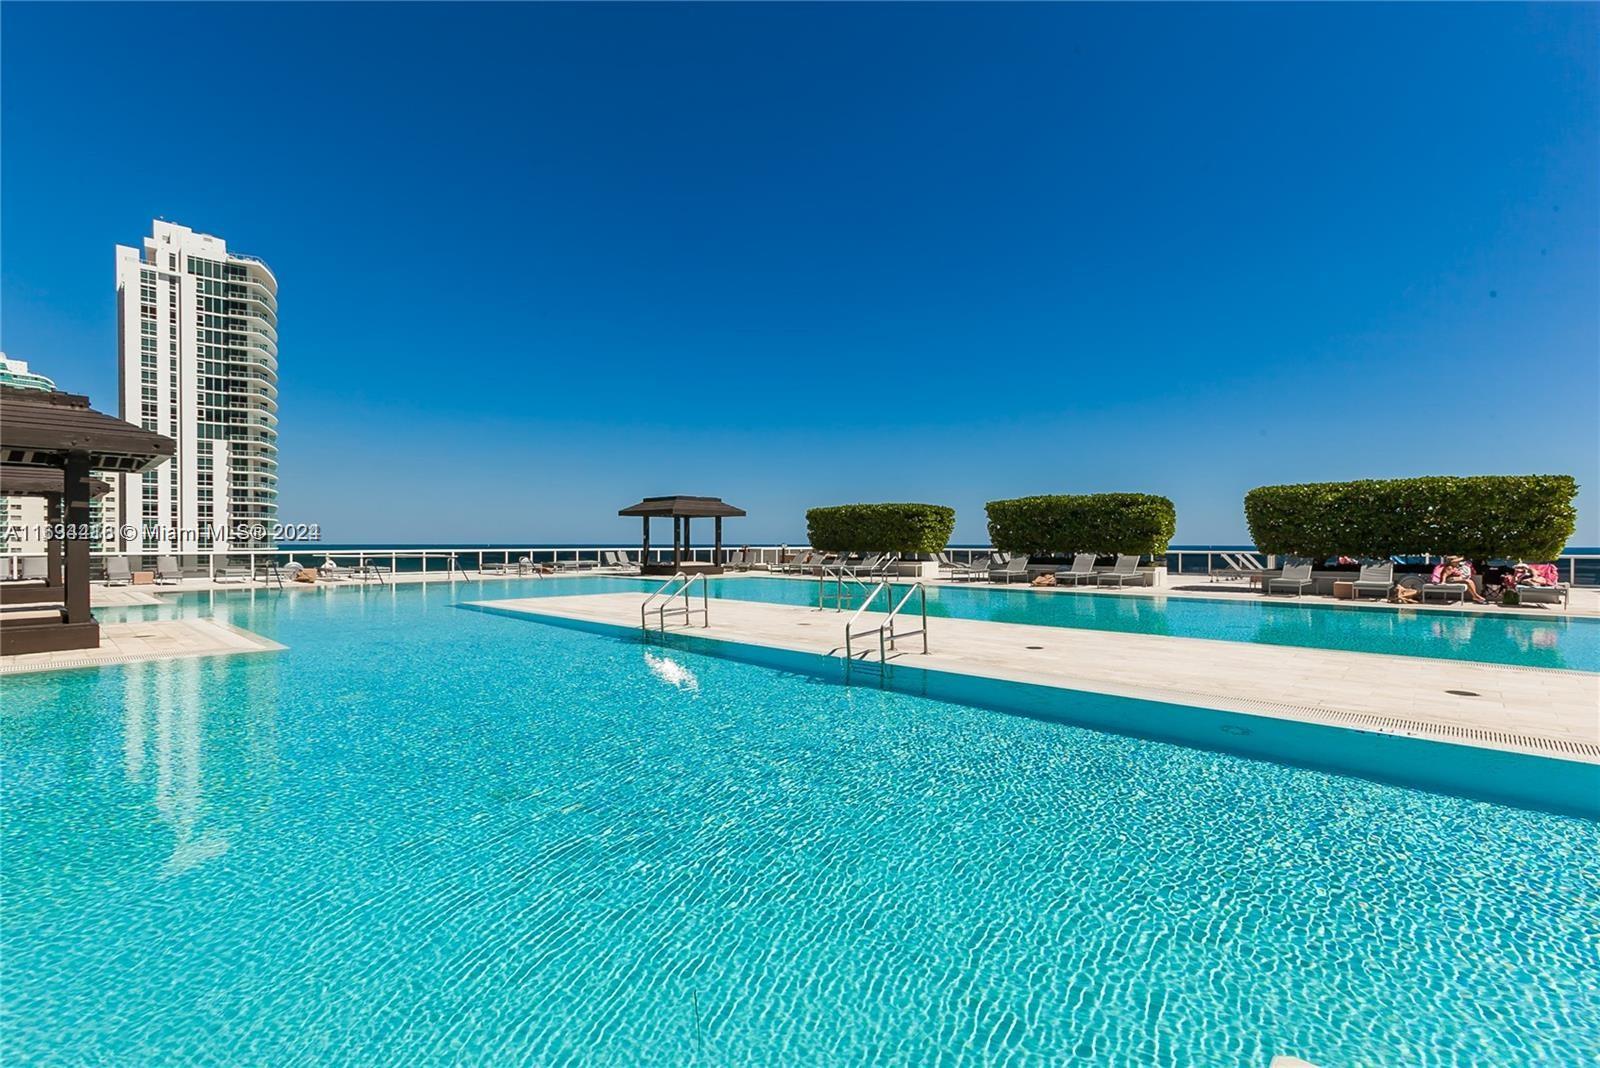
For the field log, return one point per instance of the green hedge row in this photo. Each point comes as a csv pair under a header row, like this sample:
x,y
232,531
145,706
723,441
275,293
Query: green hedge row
x,y
1526,517
881,528
1100,523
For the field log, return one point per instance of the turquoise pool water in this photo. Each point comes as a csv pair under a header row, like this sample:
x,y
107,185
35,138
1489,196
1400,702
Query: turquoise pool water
x,y
424,834
1554,642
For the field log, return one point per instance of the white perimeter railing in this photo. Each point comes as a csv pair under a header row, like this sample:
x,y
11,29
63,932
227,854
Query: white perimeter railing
x,y
1579,569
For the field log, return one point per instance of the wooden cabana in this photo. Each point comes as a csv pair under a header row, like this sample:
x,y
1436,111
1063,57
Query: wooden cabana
x,y
49,442
682,510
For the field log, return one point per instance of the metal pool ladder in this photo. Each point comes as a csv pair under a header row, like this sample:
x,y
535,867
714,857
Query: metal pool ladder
x,y
664,603
886,631
839,575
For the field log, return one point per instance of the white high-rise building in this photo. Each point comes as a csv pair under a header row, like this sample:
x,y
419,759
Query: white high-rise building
x,y
198,342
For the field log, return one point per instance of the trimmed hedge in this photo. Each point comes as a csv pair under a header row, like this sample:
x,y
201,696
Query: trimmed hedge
x,y
881,528
1099,523
1525,517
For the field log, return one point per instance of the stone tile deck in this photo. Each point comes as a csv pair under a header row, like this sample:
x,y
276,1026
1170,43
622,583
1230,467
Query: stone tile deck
x,y
1536,711
123,643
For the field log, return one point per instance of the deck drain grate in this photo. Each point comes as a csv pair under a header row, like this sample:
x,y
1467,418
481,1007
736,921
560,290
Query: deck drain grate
x,y
1398,725
1464,693
1455,731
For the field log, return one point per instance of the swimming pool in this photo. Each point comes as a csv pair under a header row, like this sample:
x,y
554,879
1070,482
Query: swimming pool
x,y
429,834
1556,642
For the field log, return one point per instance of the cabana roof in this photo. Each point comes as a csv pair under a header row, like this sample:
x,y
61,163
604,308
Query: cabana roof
x,y
693,507
28,480
39,427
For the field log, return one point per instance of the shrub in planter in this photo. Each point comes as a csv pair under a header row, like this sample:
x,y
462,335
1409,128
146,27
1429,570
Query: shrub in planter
x,y
1527,517
1099,523
881,528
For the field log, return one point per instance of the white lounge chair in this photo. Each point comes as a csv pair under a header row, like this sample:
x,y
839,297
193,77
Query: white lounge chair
x,y
1295,577
1126,567
1375,578
1014,568
1557,594
1446,590
1082,570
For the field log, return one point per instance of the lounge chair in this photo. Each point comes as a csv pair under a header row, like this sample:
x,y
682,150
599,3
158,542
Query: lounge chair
x,y
1445,590
954,570
1557,594
625,561
168,573
735,560
1375,578
861,565
222,574
1082,570
974,569
798,562
117,572
1126,567
1014,568
884,566
1296,577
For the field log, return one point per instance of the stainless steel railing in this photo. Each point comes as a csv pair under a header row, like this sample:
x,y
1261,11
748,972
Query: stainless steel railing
x,y
886,631
664,602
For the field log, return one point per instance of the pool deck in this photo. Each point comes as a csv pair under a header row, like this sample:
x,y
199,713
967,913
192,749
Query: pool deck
x,y
1542,712
126,643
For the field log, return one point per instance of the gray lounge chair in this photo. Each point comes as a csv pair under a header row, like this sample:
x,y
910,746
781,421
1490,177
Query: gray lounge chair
x,y
1444,590
886,565
117,572
1295,577
1126,567
1014,568
168,573
1082,570
977,568
1557,594
953,569
735,560
1375,578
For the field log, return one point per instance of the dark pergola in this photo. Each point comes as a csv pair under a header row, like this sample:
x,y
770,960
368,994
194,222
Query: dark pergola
x,y
49,442
682,510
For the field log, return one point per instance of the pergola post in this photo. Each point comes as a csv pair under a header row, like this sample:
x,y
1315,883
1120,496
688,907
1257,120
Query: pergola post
x,y
75,498
52,546
644,547
683,511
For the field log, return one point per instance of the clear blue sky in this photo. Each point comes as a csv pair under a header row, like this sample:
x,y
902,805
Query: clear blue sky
x,y
536,262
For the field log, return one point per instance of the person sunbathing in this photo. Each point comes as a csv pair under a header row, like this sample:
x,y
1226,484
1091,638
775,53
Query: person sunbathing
x,y
1456,569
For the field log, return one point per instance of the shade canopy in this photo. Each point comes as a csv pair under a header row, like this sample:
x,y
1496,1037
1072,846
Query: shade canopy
x,y
49,442
691,507
37,427
28,480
